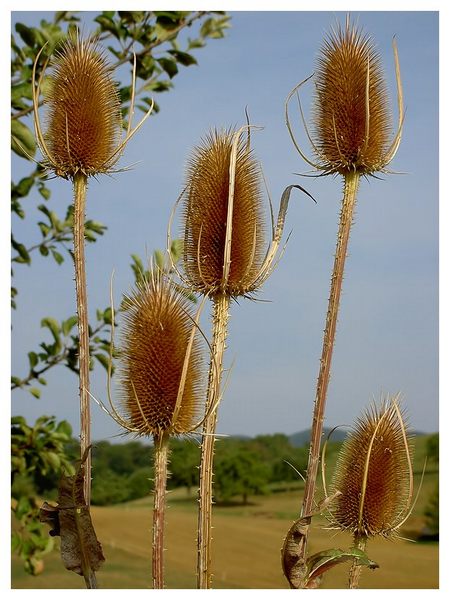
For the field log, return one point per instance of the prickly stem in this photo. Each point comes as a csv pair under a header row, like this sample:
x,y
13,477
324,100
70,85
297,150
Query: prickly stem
x,y
161,450
360,542
220,321
347,210
80,187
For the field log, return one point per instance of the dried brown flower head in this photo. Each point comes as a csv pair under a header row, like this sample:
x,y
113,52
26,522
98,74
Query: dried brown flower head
x,y
161,360
83,120
206,209
352,118
374,474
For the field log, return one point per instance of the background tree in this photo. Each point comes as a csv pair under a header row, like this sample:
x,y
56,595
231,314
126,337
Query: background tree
x,y
432,509
239,471
184,461
154,38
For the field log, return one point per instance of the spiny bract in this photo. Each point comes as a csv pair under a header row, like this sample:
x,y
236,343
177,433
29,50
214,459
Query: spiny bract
x,y
372,474
84,117
352,119
155,340
205,217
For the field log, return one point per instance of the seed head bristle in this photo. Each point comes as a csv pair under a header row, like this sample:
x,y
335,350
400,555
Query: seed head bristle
x,y
155,339
372,474
84,117
351,115
205,217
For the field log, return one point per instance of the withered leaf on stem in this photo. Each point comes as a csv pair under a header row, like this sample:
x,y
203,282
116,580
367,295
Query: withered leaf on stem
x,y
294,567
81,552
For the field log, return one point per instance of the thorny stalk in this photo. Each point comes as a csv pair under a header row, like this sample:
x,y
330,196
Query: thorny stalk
x,y
80,187
161,449
346,218
220,321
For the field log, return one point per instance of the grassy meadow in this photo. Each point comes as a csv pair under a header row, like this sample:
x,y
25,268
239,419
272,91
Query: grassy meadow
x,y
247,543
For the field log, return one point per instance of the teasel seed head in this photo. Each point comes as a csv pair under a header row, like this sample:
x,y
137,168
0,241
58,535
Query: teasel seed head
x,y
374,474
161,367
83,119
207,219
352,119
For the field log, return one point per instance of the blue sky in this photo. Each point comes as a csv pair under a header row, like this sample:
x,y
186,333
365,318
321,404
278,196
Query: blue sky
x,y
387,337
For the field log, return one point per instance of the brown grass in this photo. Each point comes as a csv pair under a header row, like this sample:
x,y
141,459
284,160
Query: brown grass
x,y
247,543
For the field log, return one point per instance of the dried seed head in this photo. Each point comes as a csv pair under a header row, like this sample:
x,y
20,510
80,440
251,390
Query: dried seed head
x,y
206,217
352,118
373,474
84,117
156,398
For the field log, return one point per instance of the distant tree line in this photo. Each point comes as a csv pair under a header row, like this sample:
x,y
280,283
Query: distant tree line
x,y
243,467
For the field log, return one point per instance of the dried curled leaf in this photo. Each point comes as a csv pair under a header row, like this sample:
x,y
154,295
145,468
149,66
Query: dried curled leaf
x,y
294,567
81,552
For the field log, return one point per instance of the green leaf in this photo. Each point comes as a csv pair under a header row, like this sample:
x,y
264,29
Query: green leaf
x,y
65,428
16,541
35,392
57,256
53,326
159,259
319,563
105,21
176,250
183,57
69,324
21,90
22,139
197,43
44,192
207,27
23,257
134,16
96,227
53,459
137,263
107,316
16,381
33,359
23,188
103,360
26,33
162,85
50,214
169,66
42,381
44,229
23,507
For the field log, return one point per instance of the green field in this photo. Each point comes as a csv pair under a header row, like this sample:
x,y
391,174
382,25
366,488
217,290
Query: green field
x,y
247,543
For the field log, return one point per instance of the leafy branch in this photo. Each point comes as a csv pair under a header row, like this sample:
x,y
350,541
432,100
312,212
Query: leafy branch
x,y
64,349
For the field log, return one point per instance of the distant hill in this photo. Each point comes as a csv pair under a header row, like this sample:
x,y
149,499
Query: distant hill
x,y
301,438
